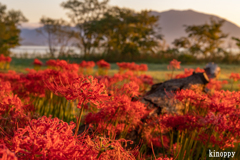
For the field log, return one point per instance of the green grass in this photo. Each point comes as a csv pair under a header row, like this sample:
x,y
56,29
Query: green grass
x,y
157,71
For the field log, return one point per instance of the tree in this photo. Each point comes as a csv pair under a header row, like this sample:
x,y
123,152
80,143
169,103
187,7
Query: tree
x,y
205,39
126,32
9,31
237,41
82,13
57,32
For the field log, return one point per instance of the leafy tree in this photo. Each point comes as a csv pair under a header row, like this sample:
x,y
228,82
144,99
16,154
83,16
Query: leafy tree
x,y
9,31
205,39
82,13
57,32
126,32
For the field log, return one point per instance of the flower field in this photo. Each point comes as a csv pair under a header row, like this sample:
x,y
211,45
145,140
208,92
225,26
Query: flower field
x,y
69,112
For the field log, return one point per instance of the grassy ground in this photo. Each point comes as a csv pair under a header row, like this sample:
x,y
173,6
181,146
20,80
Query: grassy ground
x,y
158,71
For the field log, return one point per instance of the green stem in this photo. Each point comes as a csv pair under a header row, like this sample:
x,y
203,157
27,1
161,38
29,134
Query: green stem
x,y
79,120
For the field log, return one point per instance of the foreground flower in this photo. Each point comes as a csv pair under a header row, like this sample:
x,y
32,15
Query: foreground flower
x,y
46,138
6,154
85,90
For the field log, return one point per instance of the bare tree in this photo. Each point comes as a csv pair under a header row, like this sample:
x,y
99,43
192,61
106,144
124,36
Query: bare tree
x,y
57,32
83,12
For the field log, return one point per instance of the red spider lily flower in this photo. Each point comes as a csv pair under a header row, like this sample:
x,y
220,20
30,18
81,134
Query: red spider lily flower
x,y
143,67
132,66
234,76
8,59
83,64
181,122
11,110
2,58
62,65
6,154
109,149
156,141
46,138
103,64
121,109
131,89
84,89
122,65
90,64
199,70
215,84
37,62
174,64
147,79
5,59
51,62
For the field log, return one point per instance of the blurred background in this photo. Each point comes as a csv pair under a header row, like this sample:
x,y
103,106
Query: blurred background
x,y
153,31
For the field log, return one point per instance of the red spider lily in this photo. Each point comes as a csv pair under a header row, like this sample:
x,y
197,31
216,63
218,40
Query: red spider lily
x,y
234,76
2,58
4,62
8,59
157,142
215,84
121,110
143,67
180,122
89,64
83,64
37,62
132,66
62,65
83,89
146,79
46,138
110,149
11,76
103,64
6,154
11,110
131,89
189,72
5,59
174,64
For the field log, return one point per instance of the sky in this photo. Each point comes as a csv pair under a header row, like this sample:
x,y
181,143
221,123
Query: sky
x,y
35,9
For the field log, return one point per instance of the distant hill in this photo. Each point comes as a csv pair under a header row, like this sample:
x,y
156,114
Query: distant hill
x,y
171,22
31,37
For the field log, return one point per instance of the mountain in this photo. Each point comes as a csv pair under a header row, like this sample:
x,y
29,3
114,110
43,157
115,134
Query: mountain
x,y
31,37
171,22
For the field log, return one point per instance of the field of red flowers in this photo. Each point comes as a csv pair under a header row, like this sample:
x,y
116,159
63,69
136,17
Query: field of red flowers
x,y
68,112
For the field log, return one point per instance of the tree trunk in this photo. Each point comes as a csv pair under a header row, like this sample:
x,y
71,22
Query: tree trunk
x,y
160,97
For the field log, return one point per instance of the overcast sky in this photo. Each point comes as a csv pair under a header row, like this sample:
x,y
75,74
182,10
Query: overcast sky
x,y
35,9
